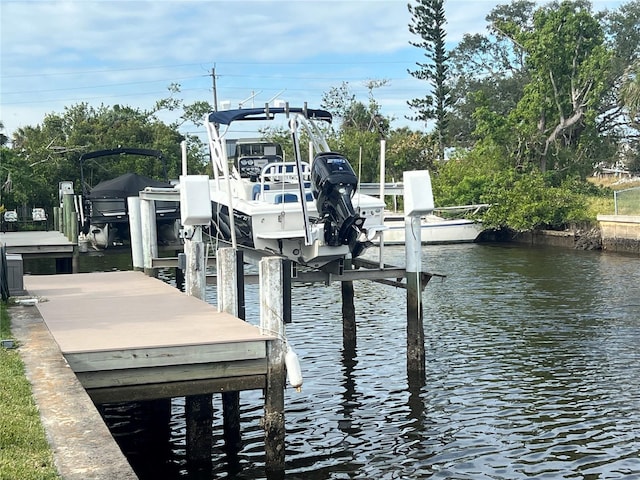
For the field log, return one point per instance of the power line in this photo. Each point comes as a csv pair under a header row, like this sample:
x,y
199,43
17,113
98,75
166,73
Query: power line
x,y
109,85
201,64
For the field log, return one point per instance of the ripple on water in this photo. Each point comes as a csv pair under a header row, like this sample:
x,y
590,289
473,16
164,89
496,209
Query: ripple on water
x,y
532,371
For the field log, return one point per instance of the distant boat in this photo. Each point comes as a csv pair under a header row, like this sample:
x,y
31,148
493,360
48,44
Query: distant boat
x,y
105,215
435,229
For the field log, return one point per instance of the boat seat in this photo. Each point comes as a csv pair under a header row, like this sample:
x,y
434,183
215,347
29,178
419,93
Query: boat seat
x,y
255,193
285,198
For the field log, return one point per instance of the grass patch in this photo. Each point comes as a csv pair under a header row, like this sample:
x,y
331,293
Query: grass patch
x,y
615,183
24,451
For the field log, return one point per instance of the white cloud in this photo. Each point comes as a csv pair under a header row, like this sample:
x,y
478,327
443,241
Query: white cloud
x,y
57,54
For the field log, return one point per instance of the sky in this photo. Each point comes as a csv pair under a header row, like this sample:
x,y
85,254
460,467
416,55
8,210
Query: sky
x,y
59,53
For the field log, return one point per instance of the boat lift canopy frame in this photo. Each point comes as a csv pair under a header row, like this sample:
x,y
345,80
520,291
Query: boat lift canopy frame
x,y
144,152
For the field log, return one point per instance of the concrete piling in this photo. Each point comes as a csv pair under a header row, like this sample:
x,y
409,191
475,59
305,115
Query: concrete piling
x,y
135,229
149,235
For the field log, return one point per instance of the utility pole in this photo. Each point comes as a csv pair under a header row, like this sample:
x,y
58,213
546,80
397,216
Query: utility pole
x,y
215,90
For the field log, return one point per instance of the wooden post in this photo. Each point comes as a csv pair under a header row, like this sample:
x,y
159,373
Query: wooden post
x,y
135,228
348,314
196,271
179,278
198,408
415,329
56,218
199,418
64,265
149,235
230,271
272,323
69,215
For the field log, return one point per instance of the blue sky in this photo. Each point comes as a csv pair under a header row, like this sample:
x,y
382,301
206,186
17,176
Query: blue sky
x,y
56,54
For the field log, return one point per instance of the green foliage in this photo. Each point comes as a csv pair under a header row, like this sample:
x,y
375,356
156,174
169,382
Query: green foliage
x,y
41,156
409,150
544,84
361,129
464,179
527,202
520,200
362,149
488,71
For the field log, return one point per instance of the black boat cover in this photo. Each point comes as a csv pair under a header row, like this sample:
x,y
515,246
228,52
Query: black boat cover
x,y
225,117
127,185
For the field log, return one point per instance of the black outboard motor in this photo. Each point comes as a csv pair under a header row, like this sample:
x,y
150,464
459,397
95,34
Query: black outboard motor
x,y
333,183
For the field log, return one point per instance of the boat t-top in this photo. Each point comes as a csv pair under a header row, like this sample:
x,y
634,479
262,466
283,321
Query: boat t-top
x,y
308,211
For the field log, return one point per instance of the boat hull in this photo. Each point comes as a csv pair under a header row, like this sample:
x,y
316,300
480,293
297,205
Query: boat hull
x,y
434,230
279,228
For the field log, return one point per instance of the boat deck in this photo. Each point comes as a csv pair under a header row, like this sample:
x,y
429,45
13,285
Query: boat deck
x,y
132,337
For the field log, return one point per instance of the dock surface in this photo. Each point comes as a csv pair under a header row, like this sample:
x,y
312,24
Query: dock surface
x,y
128,336
36,242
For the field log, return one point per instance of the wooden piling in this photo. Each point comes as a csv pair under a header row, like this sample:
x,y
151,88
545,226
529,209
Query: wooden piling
x,y
199,417
196,271
348,315
272,323
198,408
415,328
69,216
56,218
229,262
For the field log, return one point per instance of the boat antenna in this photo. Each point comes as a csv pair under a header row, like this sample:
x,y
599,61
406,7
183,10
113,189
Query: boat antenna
x,y
276,95
250,97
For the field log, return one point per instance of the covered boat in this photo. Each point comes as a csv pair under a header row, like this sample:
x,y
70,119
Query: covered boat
x,y
105,212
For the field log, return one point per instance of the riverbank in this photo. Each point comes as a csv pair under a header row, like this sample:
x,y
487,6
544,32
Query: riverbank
x,y
51,429
613,233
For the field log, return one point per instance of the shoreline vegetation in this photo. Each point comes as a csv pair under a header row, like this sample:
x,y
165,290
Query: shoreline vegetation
x,y
25,453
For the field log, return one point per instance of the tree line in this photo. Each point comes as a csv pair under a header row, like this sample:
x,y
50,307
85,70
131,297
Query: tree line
x,y
517,117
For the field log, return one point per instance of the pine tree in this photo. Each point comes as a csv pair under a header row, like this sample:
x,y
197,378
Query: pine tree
x,y
427,22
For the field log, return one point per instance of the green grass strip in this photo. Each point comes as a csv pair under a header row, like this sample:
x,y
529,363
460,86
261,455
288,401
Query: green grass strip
x,y
24,451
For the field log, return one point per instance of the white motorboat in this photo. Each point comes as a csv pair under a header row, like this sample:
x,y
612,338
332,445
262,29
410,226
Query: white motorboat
x,y
309,212
433,230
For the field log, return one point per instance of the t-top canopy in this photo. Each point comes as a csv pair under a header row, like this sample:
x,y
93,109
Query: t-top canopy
x,y
225,117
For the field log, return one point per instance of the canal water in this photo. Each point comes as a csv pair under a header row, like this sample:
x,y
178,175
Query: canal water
x,y
532,371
